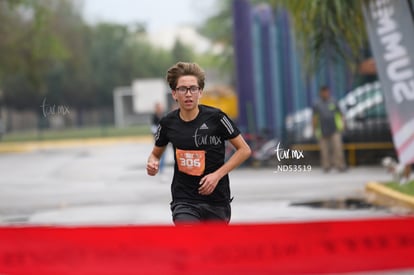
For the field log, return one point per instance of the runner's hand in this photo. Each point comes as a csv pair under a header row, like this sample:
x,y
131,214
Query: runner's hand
x,y
207,184
152,168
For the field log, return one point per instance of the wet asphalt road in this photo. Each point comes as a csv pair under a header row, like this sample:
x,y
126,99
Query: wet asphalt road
x,y
88,185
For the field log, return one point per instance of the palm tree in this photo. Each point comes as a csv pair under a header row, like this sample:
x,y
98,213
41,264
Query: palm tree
x,y
331,29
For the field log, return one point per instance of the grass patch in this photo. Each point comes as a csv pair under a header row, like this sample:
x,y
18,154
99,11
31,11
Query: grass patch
x,y
407,188
76,133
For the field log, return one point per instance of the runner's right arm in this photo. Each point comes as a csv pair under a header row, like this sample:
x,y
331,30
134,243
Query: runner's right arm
x,y
154,160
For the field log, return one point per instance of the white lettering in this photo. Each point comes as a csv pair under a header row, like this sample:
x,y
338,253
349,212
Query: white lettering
x,y
403,89
393,49
200,140
396,71
399,67
51,110
288,154
385,22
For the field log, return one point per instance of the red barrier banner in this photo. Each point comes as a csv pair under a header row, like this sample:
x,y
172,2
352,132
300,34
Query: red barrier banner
x,y
323,247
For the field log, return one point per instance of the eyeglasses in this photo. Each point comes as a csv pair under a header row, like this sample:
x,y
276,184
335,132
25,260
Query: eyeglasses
x,y
183,90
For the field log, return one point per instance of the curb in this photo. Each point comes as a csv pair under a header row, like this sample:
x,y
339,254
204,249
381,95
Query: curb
x,y
21,147
384,196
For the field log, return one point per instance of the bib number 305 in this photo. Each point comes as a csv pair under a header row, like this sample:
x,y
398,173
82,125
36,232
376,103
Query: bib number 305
x,y
191,162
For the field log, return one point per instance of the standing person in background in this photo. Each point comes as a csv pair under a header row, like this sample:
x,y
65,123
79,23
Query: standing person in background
x,y
200,185
328,124
155,121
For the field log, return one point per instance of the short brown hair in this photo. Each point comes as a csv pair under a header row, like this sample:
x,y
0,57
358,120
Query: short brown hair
x,y
182,69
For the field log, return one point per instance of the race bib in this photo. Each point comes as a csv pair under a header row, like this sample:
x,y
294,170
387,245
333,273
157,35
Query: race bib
x,y
191,162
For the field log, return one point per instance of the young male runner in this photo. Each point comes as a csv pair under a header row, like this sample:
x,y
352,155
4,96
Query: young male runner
x,y
200,186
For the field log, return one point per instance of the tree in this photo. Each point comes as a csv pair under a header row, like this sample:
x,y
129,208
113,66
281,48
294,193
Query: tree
x,y
69,80
218,28
118,56
331,29
28,47
326,28
181,52
141,59
48,51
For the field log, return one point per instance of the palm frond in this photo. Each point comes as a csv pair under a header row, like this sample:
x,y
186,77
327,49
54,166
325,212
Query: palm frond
x,y
332,29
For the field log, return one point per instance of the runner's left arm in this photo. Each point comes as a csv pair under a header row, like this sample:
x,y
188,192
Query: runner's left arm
x,y
209,182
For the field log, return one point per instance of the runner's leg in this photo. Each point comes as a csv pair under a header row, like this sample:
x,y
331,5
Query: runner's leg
x,y
184,213
324,153
216,213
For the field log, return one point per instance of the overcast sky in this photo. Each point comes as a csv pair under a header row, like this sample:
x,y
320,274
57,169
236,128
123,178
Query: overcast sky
x,y
157,14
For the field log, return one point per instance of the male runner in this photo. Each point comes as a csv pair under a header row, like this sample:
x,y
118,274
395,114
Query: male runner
x,y
200,186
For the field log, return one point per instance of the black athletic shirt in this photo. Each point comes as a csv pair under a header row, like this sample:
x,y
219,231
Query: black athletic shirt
x,y
205,135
